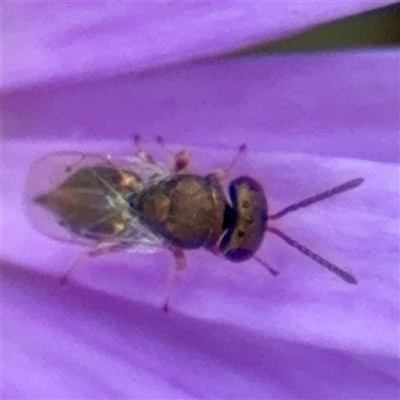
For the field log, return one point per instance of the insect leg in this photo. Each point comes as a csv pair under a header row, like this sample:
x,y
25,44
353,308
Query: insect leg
x,y
318,259
265,265
142,154
180,264
179,258
98,251
69,168
242,148
181,158
67,275
223,173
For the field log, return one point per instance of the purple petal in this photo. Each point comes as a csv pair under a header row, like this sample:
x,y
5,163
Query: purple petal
x,y
340,104
234,331
84,40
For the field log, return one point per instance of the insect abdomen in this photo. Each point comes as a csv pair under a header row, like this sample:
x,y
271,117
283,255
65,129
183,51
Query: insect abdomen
x,y
90,202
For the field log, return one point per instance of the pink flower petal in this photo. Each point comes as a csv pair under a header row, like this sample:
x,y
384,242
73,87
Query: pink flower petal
x,y
86,41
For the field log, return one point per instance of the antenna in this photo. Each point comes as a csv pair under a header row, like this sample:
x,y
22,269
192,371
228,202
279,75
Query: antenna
x,y
319,197
306,251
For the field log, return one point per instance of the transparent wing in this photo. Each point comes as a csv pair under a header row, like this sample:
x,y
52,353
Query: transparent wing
x,y
81,198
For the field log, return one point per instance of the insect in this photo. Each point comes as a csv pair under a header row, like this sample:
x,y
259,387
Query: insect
x,y
125,204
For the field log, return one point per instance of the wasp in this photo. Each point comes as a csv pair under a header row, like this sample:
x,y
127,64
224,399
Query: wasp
x,y
135,203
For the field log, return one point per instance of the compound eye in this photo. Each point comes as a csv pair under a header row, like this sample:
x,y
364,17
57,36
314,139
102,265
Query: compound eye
x,y
238,255
246,231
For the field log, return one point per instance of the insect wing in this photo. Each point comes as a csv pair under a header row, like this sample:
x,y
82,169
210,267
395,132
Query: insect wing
x,y
77,197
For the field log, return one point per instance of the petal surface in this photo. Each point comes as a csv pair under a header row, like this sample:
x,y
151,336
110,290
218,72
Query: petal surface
x,y
233,330
310,121
335,104
60,42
